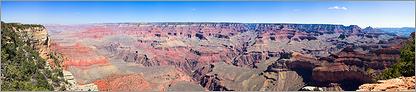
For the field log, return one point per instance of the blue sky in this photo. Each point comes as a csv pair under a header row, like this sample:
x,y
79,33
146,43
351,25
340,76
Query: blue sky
x,y
362,13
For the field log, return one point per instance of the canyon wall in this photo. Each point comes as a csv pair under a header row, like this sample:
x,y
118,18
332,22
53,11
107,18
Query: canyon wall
x,y
27,58
310,54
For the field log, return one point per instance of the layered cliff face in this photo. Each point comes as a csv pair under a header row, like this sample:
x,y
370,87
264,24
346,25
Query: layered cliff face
x,y
27,62
310,53
35,36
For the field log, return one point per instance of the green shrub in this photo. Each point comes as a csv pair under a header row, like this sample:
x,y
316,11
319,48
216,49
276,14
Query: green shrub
x,y
405,65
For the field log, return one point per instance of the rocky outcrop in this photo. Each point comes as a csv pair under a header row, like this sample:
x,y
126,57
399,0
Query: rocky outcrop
x,y
396,84
26,53
224,77
338,72
348,67
37,37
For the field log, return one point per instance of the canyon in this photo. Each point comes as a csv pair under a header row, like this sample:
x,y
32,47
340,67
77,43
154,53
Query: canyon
x,y
176,56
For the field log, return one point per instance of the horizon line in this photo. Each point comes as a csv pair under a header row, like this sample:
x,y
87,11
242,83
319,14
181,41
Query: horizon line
x,y
207,22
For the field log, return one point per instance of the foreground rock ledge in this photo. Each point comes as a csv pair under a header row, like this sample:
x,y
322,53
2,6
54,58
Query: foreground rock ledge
x,y
396,84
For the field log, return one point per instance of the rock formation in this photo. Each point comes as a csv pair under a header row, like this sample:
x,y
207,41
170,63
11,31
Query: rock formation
x,y
223,77
396,84
310,54
27,58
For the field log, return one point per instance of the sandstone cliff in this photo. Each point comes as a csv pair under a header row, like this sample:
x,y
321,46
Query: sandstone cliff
x,y
26,58
396,84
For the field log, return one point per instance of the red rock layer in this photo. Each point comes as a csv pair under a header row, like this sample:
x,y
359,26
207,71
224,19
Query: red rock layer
x,y
79,56
133,82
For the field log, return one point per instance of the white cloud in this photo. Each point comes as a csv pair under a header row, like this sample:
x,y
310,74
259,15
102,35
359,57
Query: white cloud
x,y
337,8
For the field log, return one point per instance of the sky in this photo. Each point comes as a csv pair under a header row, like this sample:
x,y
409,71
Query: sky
x,y
361,13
